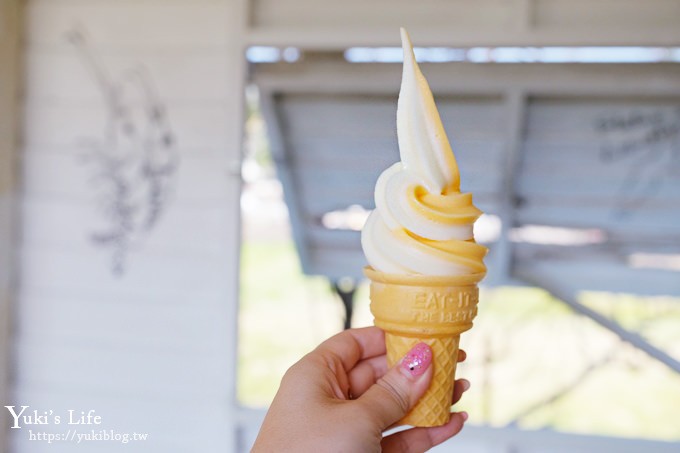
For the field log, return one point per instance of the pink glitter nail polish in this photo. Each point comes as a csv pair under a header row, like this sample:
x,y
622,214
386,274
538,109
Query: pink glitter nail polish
x,y
417,360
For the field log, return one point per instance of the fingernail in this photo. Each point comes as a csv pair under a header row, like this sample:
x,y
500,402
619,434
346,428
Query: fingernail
x,y
464,415
466,385
417,360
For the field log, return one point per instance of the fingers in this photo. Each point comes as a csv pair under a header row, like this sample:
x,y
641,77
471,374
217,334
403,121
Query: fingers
x,y
459,387
365,374
354,345
368,371
393,395
422,439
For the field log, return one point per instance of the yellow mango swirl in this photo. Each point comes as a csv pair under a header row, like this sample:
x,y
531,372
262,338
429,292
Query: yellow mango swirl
x,y
422,224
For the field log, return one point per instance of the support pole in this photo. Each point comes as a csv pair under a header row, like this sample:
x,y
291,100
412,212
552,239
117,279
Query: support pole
x,y
346,288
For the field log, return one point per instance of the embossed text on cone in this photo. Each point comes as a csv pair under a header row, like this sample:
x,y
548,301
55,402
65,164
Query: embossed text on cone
x,y
434,310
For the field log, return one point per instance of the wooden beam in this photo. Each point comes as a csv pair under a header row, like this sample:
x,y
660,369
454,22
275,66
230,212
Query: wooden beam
x,y
309,38
516,105
10,32
284,171
509,439
328,25
237,22
535,79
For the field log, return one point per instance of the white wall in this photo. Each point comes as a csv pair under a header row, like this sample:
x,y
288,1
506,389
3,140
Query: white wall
x,y
151,350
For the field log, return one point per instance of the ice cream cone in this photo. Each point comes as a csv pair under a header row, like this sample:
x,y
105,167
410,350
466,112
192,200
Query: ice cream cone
x,y
434,310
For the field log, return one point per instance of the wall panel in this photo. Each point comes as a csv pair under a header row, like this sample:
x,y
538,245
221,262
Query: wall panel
x,y
132,129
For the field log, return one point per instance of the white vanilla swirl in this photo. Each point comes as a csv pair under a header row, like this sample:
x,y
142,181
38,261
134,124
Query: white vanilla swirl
x,y
422,224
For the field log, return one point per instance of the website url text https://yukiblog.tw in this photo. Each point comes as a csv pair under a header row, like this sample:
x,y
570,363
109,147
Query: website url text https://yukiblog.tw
x,y
76,436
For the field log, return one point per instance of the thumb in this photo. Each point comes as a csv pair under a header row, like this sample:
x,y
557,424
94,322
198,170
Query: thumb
x,y
394,394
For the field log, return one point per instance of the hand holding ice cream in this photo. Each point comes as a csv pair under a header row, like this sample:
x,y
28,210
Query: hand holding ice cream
x,y
342,397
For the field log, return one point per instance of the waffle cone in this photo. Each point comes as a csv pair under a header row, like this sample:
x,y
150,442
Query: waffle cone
x,y
434,310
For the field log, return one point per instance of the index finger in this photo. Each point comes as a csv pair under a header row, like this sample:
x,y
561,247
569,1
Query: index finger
x,y
354,345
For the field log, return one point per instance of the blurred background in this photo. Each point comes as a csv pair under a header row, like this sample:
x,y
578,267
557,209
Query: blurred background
x,y
182,186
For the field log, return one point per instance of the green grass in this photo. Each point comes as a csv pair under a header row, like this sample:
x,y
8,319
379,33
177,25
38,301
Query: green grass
x,y
532,362
283,315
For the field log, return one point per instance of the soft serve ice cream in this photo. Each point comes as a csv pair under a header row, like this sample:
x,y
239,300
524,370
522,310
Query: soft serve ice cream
x,y
422,223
